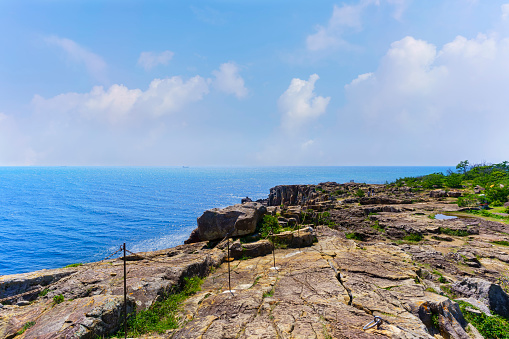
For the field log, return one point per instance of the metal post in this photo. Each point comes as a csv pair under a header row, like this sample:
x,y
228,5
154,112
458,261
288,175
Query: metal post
x,y
273,251
125,296
298,236
229,283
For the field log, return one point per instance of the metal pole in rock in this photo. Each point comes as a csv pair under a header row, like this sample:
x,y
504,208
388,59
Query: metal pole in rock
x,y
273,250
298,236
125,295
229,283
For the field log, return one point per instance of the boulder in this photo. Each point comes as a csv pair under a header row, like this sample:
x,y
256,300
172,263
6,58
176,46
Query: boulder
x,y
437,194
236,220
250,250
246,199
454,194
451,323
301,238
490,294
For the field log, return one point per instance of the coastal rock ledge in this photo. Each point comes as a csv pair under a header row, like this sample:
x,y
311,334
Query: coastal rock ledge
x,y
390,257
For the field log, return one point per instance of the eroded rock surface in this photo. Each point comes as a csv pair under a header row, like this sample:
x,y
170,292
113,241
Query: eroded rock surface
x,y
382,254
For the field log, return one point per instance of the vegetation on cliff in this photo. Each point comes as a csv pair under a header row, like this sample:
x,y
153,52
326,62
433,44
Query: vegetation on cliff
x,y
485,183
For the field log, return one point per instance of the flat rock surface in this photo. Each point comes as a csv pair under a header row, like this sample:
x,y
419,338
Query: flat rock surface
x,y
387,257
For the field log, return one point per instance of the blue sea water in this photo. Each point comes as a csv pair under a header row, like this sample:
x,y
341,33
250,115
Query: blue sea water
x,y
54,216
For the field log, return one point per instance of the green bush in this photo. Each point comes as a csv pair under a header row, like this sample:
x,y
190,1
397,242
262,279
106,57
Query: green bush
x,y
494,327
413,237
453,180
469,200
359,193
448,231
25,327
497,194
58,299
433,180
268,224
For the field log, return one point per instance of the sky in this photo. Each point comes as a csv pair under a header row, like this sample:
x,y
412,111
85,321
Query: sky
x,y
253,83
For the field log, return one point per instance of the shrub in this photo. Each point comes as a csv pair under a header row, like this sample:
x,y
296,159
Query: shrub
x,y
58,299
453,180
268,224
25,327
359,193
497,194
494,327
413,237
433,180
469,200
448,231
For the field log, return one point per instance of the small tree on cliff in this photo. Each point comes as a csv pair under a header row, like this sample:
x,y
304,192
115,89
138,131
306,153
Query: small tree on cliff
x,y
462,166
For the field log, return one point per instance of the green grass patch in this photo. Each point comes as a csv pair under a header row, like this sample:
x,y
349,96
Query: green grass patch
x,y
431,216
58,299
25,327
494,327
269,293
448,292
501,242
378,227
43,292
161,315
74,265
489,215
413,237
355,236
448,231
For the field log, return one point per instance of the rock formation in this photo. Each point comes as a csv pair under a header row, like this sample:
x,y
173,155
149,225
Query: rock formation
x,y
385,255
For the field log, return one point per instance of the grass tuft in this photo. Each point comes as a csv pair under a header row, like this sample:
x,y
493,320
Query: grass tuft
x,y
162,315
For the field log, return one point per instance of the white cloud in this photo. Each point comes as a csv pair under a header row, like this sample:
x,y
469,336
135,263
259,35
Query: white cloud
x,y
344,19
229,81
505,11
93,62
119,104
399,7
149,60
300,104
442,101
330,36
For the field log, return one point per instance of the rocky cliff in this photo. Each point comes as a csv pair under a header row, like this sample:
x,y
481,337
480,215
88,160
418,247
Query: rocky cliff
x,y
386,254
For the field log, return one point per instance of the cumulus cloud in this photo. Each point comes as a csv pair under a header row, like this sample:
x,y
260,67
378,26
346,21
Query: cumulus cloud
x,y
300,104
95,65
505,11
456,96
229,81
344,19
149,60
119,104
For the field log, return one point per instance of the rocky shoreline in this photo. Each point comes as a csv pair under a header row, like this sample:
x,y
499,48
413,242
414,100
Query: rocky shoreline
x,y
348,252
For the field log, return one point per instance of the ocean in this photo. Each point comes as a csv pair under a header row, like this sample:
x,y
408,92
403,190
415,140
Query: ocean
x,y
55,216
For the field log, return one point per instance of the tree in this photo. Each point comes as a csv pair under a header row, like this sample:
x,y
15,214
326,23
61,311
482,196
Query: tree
x,y
462,166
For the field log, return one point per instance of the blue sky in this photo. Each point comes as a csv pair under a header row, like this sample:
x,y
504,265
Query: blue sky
x,y
254,83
